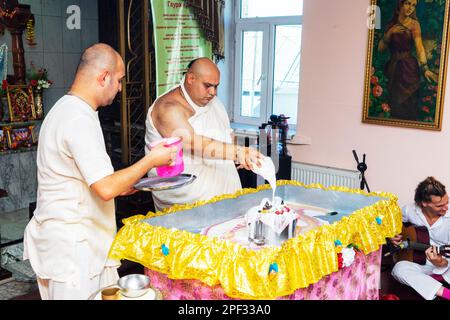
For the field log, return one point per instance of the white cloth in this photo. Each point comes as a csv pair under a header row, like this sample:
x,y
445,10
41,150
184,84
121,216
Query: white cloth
x,y
276,222
214,177
71,156
413,274
80,286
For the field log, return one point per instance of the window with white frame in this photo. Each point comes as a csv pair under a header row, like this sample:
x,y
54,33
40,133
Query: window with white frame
x,y
268,46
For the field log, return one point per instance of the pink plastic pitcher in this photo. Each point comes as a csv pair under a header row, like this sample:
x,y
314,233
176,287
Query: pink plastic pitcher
x,y
178,166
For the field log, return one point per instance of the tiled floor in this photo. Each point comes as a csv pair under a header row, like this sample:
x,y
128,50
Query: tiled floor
x,y
23,280
14,289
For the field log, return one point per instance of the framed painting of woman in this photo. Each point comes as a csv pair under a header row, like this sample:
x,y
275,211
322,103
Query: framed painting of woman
x,y
407,63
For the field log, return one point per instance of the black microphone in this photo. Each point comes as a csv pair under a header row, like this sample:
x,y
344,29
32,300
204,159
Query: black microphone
x,y
401,246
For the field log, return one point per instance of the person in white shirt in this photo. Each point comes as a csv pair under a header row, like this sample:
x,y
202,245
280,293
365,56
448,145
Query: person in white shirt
x,y
193,112
430,210
68,239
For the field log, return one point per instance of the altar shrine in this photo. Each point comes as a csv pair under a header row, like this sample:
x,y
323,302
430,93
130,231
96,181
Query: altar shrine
x,y
337,255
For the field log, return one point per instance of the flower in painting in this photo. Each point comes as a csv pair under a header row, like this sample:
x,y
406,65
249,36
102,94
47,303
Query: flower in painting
x,y
374,80
386,107
377,91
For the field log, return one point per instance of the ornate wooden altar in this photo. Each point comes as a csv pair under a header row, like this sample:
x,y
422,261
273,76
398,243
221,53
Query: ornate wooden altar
x,y
14,16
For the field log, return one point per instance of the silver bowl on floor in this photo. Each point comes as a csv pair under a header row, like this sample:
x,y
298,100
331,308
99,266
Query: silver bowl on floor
x,y
134,285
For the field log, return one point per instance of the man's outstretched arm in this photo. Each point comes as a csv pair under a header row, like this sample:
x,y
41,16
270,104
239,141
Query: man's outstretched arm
x,y
174,122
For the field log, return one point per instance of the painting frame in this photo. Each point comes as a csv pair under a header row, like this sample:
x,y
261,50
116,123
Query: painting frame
x,y
20,137
4,145
413,97
21,103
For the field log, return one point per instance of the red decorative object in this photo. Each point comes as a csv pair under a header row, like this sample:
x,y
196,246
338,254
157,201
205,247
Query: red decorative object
x,y
21,103
389,297
4,88
340,260
7,13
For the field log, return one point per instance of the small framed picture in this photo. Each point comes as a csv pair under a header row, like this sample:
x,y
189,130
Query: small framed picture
x,y
20,137
21,103
34,130
3,140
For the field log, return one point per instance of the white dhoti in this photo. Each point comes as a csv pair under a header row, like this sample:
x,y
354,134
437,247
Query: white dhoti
x,y
418,277
80,285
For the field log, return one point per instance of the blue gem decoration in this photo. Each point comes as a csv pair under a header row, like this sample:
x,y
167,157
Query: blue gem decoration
x,y
273,268
338,243
165,250
379,220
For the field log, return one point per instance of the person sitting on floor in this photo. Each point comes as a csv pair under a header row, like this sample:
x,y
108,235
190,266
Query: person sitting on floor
x,y
430,210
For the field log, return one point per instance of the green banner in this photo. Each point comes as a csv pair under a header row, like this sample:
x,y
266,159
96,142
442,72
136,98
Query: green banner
x,y
178,40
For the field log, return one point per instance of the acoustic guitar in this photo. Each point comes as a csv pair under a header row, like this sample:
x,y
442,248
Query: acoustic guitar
x,y
415,241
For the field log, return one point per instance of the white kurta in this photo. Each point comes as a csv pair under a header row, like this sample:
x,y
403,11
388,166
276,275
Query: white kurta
x,y
418,276
214,177
71,156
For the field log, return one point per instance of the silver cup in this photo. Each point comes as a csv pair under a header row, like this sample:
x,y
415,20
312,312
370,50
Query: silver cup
x,y
134,285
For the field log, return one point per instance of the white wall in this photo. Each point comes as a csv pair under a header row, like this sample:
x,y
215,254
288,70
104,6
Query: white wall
x,y
226,66
58,49
330,108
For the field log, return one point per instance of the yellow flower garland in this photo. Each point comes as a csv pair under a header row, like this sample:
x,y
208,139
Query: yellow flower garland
x,y
31,33
244,273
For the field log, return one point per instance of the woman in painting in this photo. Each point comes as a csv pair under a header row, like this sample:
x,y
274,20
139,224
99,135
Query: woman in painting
x,y
404,69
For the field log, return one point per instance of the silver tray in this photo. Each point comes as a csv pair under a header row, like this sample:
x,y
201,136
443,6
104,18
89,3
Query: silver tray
x,y
158,183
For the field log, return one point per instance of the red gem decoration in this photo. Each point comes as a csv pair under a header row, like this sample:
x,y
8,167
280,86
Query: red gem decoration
x,y
340,260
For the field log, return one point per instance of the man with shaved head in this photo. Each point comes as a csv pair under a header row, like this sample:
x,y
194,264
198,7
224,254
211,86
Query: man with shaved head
x,y
68,239
193,111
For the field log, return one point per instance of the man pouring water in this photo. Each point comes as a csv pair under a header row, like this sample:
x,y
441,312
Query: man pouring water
x,y
193,111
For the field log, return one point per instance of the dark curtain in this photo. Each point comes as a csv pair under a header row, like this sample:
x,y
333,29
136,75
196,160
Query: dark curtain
x,y
210,16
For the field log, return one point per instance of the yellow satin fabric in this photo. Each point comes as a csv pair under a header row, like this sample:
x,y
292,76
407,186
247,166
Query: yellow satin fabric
x,y
244,273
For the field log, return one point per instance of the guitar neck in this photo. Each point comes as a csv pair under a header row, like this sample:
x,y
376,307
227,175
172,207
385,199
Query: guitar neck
x,y
422,247
418,246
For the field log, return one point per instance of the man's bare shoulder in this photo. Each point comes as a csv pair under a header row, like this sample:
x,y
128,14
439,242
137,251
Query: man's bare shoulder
x,y
169,105
168,102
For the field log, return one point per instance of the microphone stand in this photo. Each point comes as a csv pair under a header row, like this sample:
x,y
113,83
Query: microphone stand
x,y
362,167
